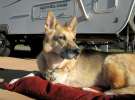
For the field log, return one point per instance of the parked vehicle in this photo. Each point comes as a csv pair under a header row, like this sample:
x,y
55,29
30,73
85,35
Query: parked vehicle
x,y
99,21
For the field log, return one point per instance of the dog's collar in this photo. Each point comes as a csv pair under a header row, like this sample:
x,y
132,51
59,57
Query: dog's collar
x,y
49,74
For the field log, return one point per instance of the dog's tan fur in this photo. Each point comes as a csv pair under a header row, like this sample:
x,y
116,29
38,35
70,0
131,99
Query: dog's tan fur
x,y
88,68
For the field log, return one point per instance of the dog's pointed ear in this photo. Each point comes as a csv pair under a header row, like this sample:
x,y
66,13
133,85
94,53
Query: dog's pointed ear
x,y
73,24
50,21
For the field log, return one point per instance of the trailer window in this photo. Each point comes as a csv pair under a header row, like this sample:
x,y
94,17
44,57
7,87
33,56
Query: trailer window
x,y
99,6
104,6
63,9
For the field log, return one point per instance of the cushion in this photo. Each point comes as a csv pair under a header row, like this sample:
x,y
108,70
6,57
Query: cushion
x,y
40,88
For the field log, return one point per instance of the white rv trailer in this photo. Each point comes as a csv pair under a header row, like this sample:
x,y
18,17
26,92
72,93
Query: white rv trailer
x,y
22,21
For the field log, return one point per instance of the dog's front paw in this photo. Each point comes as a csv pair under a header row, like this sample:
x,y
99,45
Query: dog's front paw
x,y
90,89
30,75
14,80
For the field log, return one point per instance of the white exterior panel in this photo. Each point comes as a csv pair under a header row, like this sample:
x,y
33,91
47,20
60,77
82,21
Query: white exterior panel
x,y
27,16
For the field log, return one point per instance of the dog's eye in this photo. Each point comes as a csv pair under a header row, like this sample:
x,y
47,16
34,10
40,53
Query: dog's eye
x,y
62,37
59,37
74,39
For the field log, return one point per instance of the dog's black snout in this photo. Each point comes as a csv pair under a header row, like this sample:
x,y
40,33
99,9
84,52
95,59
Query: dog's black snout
x,y
76,50
70,53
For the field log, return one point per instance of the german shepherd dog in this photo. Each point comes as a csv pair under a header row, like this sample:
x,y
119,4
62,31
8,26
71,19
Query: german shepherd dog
x,y
61,60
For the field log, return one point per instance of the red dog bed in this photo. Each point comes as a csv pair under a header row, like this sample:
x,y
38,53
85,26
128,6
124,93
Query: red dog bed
x,y
39,88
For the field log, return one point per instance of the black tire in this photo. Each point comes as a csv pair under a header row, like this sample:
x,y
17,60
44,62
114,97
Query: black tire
x,y
132,20
4,45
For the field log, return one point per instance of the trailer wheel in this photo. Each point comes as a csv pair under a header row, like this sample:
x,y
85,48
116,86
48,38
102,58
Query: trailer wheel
x,y
4,45
132,20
